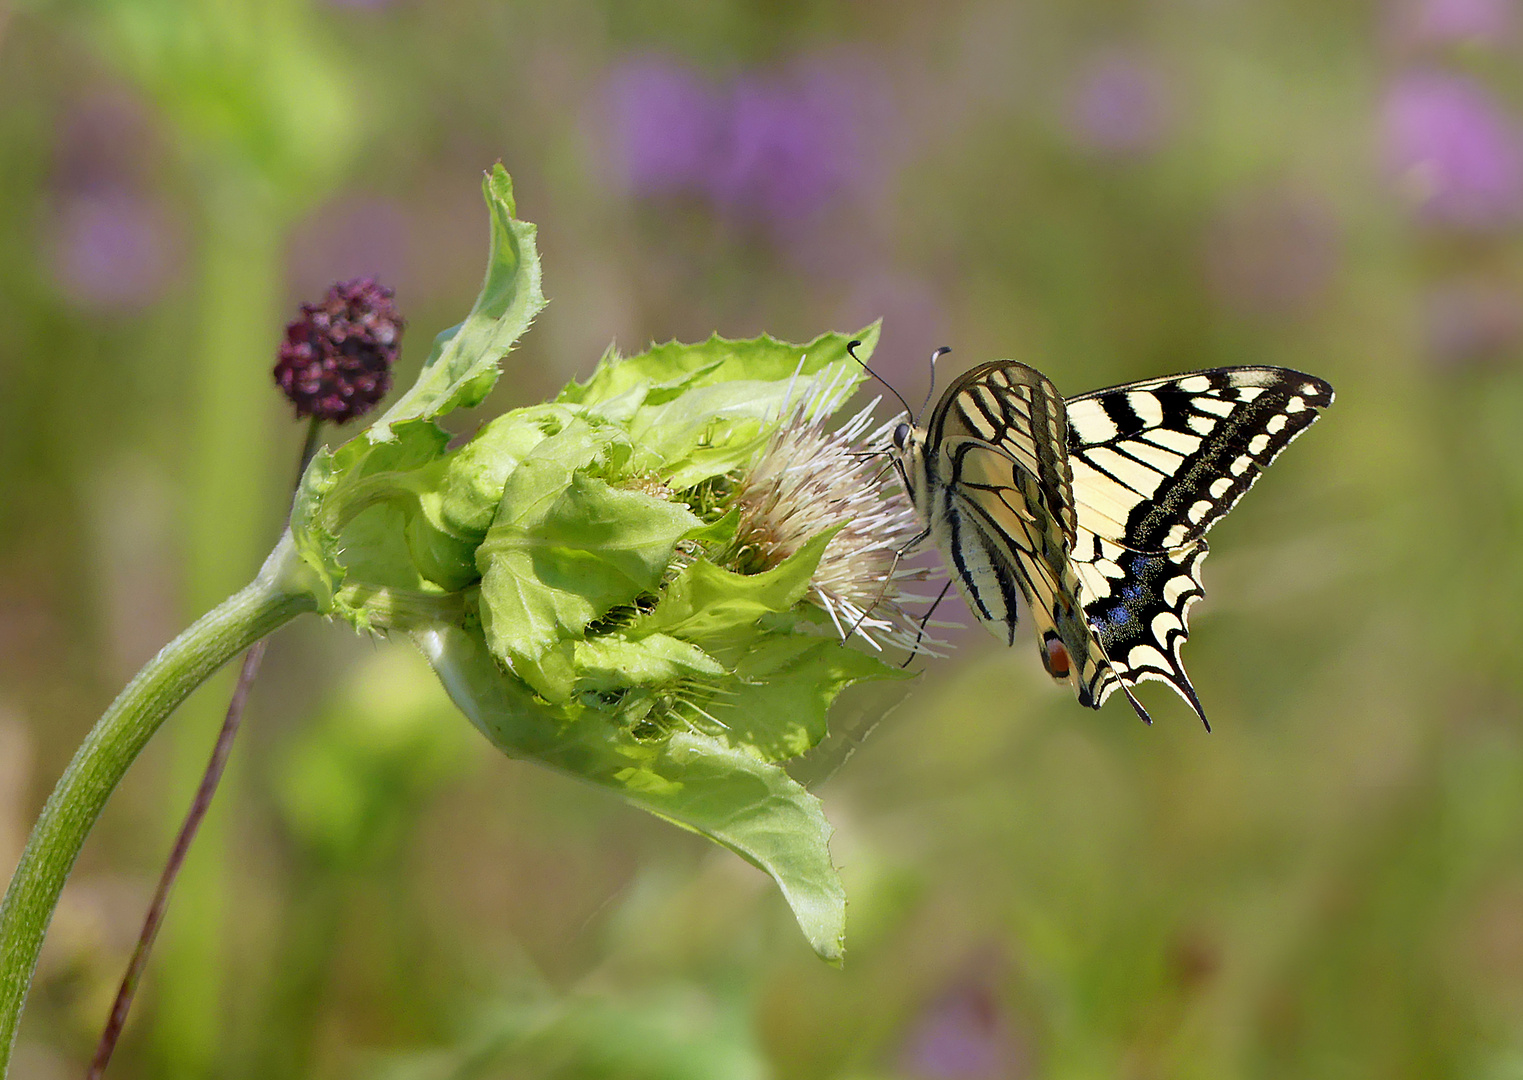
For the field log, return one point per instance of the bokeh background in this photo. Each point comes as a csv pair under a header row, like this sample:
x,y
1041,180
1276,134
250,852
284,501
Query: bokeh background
x,y
1329,885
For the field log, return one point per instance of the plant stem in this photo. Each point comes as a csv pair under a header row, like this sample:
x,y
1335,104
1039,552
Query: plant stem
x,y
160,905
190,826
112,745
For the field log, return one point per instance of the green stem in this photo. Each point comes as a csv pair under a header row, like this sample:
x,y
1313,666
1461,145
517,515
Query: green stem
x,y
382,607
274,598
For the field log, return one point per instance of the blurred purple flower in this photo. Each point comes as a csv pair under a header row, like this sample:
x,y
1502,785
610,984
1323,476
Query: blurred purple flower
x,y
1454,22
668,125
779,147
962,1035
798,142
1273,252
1471,322
1118,104
1452,148
111,248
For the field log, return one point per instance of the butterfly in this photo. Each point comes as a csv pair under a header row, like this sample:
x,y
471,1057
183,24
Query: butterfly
x,y
1095,508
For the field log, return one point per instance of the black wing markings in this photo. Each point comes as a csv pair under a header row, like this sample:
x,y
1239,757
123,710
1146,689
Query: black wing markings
x,y
1155,465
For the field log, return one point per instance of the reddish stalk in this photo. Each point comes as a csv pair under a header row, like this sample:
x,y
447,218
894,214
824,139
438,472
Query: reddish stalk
x,y
188,829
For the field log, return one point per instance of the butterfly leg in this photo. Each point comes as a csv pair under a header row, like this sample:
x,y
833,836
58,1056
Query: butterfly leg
x,y
888,579
920,633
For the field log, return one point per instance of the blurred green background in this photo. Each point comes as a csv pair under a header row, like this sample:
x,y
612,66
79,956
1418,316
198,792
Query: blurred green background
x,y
1329,885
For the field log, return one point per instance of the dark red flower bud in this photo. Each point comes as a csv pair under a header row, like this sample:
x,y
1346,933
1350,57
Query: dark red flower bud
x,y
335,362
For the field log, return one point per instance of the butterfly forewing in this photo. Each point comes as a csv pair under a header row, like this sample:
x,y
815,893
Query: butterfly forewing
x,y
1015,410
1155,465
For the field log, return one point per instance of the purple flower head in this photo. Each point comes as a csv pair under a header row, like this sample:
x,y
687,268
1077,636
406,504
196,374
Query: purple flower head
x,y
112,249
778,147
335,363
1118,104
1454,151
962,1035
668,125
1421,23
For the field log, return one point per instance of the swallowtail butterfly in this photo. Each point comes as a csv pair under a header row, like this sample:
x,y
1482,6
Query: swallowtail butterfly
x,y
1095,508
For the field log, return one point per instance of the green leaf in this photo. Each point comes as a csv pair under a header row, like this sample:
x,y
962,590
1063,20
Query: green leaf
x,y
316,544
383,462
609,665
697,411
339,486
374,547
707,602
664,371
782,687
464,363
568,547
457,496
614,661
723,792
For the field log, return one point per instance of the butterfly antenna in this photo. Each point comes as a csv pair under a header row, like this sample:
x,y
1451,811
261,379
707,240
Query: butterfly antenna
x,y
937,355
851,349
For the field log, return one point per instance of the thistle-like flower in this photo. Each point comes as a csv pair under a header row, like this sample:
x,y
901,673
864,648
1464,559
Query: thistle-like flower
x,y
335,363
808,480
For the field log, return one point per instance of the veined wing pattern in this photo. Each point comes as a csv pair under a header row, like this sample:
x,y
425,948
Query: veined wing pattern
x,y
1099,503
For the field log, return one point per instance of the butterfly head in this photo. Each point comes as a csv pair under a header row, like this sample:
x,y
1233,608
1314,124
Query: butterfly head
x,y
908,438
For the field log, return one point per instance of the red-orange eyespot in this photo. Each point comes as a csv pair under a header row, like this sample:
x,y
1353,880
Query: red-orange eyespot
x,y
1055,658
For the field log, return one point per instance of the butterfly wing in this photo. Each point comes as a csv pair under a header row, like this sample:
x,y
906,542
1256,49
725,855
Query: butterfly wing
x,y
1004,512
1155,464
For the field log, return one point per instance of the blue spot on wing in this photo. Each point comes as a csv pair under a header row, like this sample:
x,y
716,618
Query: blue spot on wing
x,y
1111,618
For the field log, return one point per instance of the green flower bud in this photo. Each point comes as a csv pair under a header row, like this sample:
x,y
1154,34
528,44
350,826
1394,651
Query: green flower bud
x,y
644,583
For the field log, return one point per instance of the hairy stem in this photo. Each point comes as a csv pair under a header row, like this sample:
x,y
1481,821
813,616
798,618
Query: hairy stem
x,y
117,1019
112,745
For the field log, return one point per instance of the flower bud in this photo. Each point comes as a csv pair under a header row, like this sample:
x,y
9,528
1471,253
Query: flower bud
x,y
335,363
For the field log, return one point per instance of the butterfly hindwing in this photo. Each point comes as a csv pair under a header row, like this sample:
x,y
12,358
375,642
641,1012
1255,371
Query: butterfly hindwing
x,y
1155,465
1008,513
1138,604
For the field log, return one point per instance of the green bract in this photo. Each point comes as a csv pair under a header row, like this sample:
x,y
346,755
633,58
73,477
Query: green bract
x,y
565,571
